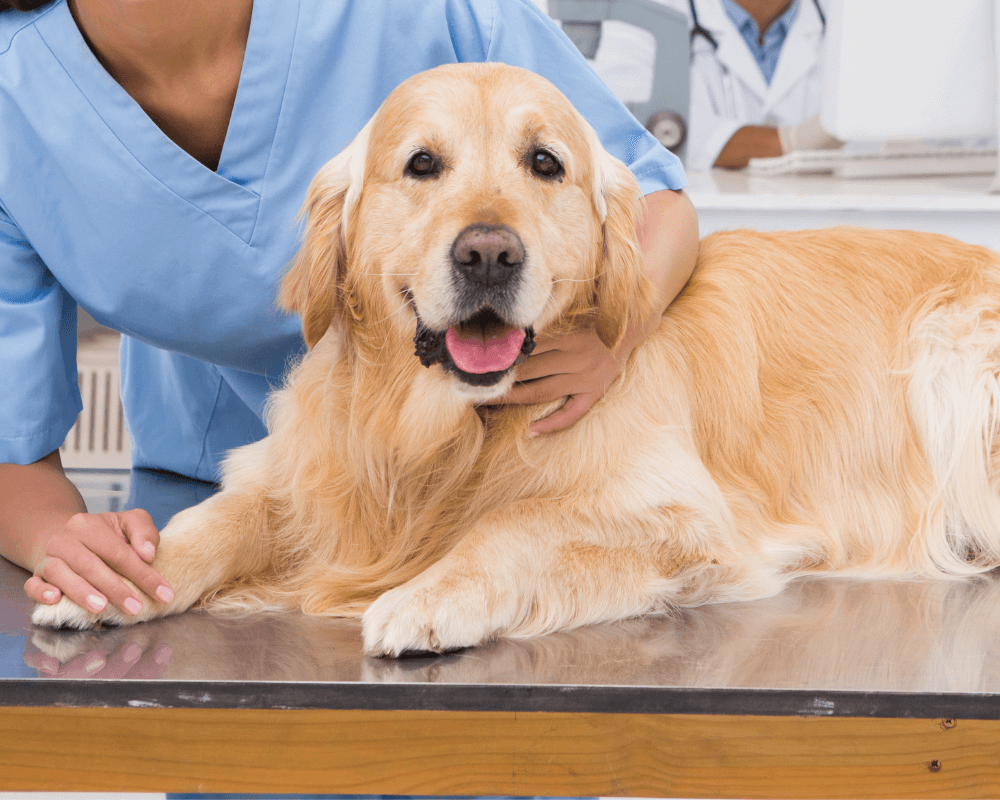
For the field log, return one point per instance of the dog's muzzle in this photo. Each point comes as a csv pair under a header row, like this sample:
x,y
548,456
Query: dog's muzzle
x,y
487,262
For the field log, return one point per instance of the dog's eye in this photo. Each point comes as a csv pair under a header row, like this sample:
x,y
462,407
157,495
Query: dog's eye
x,y
422,165
545,164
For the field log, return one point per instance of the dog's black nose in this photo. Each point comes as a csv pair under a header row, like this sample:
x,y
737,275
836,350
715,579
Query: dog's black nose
x,y
487,255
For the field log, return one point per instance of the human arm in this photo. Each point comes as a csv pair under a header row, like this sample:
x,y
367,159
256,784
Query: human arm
x,y
750,141
577,365
46,529
758,141
44,526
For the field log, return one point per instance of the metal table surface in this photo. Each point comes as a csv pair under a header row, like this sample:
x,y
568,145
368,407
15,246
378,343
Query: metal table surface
x,y
917,650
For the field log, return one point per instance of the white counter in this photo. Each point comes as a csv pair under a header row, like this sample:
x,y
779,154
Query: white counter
x,y
957,206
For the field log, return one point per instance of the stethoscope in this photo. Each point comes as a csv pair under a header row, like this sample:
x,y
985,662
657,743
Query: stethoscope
x,y
698,30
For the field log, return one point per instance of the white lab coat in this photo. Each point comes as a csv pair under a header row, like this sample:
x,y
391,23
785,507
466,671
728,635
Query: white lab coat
x,y
728,90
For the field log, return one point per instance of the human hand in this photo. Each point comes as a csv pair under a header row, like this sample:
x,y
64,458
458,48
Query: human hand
x,y
807,135
90,555
575,365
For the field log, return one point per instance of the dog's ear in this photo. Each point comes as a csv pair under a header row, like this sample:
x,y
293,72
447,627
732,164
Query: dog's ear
x,y
622,291
309,288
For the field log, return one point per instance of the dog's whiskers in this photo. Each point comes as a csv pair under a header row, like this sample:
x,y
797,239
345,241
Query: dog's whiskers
x,y
393,314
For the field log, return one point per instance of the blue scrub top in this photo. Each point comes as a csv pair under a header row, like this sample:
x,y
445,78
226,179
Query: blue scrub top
x,y
99,207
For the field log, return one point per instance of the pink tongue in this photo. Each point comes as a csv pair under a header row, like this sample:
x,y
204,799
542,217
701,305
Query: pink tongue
x,y
472,354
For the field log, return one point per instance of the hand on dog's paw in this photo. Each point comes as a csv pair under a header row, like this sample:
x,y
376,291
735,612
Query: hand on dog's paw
x,y
429,616
67,614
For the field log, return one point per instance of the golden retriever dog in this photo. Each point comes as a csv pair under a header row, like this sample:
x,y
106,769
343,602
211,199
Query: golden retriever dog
x,y
817,402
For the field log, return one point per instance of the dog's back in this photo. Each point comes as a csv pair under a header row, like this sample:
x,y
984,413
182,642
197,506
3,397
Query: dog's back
x,y
844,383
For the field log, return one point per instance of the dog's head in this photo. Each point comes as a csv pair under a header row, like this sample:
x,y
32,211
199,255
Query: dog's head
x,y
475,209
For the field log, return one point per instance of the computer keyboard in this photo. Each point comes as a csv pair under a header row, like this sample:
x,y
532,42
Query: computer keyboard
x,y
890,163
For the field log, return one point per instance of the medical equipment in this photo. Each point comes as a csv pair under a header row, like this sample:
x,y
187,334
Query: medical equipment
x,y
665,113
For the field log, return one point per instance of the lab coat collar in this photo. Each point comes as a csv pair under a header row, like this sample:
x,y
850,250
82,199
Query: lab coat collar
x,y
799,53
732,53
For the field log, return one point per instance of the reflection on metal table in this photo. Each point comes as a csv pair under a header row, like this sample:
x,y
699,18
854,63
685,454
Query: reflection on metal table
x,y
833,688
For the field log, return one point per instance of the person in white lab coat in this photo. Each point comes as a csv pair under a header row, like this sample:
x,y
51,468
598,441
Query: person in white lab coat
x,y
754,101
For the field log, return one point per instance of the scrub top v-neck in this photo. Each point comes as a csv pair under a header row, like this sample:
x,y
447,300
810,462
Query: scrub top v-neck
x,y
231,194
99,207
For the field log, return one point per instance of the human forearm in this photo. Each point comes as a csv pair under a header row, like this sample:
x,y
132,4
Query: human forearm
x,y
46,529
750,141
668,239
37,501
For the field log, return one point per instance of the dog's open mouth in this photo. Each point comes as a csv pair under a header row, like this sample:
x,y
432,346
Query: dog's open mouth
x,y
484,344
479,350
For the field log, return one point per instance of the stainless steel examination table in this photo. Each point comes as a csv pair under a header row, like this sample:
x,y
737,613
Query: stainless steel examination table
x,y
831,689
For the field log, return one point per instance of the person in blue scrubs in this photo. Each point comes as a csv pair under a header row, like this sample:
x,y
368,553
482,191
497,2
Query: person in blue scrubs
x,y
153,158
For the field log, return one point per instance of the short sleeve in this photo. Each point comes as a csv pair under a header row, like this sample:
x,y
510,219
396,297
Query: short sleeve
x,y
516,32
40,399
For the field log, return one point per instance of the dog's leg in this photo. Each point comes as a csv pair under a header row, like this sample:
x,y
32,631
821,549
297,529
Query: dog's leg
x,y
535,568
200,548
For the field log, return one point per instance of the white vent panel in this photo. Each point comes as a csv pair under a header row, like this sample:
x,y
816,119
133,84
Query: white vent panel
x,y
99,439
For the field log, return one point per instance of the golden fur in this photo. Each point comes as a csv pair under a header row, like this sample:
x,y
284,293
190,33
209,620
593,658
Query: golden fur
x,y
813,402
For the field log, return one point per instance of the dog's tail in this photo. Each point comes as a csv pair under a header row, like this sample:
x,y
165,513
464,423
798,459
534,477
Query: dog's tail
x,y
954,401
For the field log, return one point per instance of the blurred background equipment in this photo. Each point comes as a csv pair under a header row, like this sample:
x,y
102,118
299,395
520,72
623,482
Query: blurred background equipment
x,y
665,113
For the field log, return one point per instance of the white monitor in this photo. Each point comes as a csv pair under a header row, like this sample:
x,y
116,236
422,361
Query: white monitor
x,y
910,69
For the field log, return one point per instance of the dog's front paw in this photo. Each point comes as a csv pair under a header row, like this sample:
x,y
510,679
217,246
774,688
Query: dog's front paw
x,y
67,614
433,616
